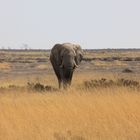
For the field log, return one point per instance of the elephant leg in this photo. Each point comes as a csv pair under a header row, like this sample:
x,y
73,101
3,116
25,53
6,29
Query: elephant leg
x,y
57,72
60,83
70,79
59,78
67,80
65,85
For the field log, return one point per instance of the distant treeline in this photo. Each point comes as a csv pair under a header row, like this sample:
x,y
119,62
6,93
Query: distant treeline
x,y
110,50
26,50
88,50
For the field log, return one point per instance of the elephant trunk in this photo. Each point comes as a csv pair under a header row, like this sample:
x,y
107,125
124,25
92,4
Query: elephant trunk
x,y
75,65
68,69
68,73
69,66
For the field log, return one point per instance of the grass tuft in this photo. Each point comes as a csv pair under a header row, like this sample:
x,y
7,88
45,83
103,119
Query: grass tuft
x,y
40,87
103,83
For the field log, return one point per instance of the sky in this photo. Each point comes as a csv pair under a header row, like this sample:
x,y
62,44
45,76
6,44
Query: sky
x,y
94,24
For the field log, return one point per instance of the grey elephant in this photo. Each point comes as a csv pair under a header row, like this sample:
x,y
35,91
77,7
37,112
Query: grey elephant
x,y
64,59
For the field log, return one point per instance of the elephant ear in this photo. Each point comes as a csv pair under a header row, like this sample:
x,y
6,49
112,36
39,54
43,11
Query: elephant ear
x,y
79,53
57,52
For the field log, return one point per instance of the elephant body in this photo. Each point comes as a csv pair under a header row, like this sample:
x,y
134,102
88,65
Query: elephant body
x,y
64,59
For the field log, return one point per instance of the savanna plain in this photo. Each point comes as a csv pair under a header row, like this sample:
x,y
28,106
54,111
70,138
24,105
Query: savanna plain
x,y
103,102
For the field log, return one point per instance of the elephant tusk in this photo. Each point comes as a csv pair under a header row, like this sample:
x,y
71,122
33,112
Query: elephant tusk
x,y
75,65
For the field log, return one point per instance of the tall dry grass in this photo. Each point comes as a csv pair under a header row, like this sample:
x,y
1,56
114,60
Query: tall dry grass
x,y
75,114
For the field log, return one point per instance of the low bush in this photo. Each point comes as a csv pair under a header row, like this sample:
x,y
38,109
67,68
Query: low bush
x,y
108,83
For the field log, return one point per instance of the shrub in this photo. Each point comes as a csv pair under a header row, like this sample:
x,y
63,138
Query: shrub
x,y
127,70
103,83
40,87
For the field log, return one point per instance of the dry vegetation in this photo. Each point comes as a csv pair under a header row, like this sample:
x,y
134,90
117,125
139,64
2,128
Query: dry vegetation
x,y
102,104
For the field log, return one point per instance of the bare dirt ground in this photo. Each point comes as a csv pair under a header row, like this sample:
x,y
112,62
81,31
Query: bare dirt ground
x,y
14,64
36,62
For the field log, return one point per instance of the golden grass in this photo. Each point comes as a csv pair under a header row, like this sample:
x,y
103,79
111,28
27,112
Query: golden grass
x,y
75,114
94,115
5,66
42,66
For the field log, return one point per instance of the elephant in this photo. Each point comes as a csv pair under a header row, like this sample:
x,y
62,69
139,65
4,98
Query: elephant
x,y
65,58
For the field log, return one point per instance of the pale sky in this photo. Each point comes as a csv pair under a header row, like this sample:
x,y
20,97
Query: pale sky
x,y
93,24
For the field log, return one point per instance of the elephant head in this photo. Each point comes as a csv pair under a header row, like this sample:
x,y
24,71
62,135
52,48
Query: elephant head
x,y
70,56
67,56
